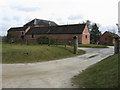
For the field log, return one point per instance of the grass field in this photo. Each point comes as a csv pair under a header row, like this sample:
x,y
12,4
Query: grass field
x,y
104,74
92,46
12,53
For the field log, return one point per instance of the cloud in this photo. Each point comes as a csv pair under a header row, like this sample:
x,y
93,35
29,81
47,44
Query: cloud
x,y
75,17
4,29
59,19
5,19
18,12
25,9
113,29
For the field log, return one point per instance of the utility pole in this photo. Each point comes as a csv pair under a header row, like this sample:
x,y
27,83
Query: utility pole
x,y
118,29
118,25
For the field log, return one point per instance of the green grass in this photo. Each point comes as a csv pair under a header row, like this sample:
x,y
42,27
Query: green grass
x,y
92,46
35,53
103,74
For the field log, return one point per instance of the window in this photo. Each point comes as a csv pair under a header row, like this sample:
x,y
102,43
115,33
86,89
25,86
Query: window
x,y
22,36
86,36
106,39
22,33
33,36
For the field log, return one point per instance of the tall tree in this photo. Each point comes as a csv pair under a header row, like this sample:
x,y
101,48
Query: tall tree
x,y
89,24
95,34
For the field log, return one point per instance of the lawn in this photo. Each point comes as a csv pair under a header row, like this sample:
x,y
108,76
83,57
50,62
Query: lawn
x,y
92,46
103,74
12,53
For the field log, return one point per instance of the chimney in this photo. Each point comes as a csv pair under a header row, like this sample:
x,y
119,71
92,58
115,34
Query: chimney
x,y
49,23
35,21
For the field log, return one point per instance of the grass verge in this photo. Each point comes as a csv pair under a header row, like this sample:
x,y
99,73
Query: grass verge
x,y
103,74
92,46
13,53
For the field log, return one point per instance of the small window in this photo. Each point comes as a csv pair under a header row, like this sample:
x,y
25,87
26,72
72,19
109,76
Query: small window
x,y
33,36
22,33
86,36
106,39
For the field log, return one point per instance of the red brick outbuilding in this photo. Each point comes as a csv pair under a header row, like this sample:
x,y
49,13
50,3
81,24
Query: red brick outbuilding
x,y
36,28
108,38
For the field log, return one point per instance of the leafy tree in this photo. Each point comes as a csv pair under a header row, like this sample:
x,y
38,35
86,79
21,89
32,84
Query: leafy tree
x,y
95,34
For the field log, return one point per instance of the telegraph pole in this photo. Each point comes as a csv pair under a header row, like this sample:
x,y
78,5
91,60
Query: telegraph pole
x,y
118,29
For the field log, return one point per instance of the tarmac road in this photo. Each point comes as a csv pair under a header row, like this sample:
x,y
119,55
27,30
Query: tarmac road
x,y
51,74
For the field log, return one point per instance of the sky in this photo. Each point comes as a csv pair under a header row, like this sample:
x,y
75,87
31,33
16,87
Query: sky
x,y
16,13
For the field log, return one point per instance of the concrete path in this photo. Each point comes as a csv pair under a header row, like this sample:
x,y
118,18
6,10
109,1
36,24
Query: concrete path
x,y
51,74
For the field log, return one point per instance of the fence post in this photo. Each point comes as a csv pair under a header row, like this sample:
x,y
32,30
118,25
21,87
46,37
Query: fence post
x,y
48,42
26,41
56,42
116,45
75,44
65,42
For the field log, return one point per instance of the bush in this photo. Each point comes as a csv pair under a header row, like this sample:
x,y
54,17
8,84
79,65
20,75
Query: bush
x,y
11,38
43,40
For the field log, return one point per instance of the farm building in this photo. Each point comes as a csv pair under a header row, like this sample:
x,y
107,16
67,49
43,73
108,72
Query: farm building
x,y
108,38
37,27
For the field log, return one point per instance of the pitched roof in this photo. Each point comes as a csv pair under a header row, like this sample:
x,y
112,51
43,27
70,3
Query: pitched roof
x,y
63,29
40,22
17,29
112,34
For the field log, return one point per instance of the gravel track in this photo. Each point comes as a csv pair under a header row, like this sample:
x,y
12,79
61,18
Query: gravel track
x,y
51,74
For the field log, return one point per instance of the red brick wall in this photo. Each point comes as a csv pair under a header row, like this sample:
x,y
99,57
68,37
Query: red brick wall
x,y
86,36
106,39
16,33
35,26
56,36
81,37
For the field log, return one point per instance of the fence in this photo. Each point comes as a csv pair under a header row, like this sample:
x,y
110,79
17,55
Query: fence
x,y
46,41
60,42
72,42
51,42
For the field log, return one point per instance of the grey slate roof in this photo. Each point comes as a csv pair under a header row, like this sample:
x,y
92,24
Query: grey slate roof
x,y
63,29
112,34
17,29
40,22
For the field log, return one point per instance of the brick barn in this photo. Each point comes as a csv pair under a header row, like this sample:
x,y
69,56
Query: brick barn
x,y
37,27
108,38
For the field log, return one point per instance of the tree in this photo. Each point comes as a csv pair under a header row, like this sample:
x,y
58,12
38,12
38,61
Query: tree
x,y
89,24
95,34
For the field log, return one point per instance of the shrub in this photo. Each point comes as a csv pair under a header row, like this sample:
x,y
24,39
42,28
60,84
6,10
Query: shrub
x,y
43,40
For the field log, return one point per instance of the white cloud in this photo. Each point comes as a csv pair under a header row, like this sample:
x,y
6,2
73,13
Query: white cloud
x,y
18,12
75,17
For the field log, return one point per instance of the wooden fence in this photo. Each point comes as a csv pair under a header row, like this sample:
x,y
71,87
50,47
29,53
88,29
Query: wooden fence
x,y
51,42
60,42
72,42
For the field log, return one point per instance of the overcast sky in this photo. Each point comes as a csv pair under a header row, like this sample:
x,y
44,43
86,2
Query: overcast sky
x,y
15,13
